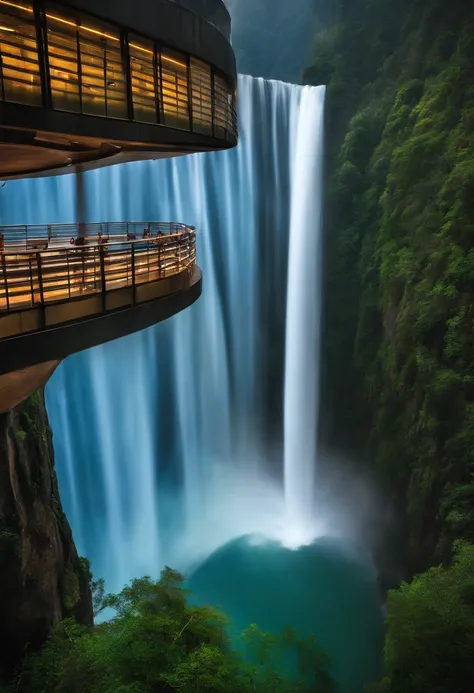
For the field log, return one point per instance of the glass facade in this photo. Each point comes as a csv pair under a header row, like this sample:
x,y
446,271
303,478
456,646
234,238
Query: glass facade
x,y
143,72
93,68
19,62
202,96
174,85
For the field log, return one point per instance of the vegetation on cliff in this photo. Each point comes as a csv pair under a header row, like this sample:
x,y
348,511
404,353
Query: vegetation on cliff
x,y
158,641
399,291
430,631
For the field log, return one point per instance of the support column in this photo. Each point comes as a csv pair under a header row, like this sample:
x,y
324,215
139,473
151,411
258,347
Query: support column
x,y
80,204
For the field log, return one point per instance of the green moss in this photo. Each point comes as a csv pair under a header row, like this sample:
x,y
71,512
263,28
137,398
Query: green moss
x,y
20,435
70,589
399,341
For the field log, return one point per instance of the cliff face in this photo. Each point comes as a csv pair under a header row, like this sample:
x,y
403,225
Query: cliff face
x,y
42,578
399,353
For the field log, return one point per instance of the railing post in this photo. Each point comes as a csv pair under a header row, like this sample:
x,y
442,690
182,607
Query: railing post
x,y
134,293
4,270
68,274
40,277
32,286
102,276
40,287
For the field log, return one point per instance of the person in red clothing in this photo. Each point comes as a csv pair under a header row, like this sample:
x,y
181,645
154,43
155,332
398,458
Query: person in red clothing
x,y
2,244
100,240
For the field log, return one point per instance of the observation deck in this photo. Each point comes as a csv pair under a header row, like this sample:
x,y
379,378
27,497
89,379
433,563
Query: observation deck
x,y
65,288
94,82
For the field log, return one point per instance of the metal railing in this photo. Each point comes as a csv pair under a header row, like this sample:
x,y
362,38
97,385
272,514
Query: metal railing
x,y
48,264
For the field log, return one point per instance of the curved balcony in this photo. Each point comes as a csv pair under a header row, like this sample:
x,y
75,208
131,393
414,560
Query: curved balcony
x,y
64,288
94,82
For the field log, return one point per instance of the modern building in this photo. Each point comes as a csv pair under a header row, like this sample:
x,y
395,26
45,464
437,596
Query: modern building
x,y
91,83
96,82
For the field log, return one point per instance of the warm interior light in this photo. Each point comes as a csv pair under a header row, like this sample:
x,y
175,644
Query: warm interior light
x,y
80,26
18,7
7,28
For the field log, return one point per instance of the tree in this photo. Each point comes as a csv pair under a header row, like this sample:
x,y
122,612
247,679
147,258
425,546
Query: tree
x,y
158,642
430,630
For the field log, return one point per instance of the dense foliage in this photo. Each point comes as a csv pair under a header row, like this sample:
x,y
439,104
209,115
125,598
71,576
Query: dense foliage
x,y
159,642
399,319
399,346
430,631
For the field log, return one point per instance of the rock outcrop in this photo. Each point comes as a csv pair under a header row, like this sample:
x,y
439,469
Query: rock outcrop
x,y
42,578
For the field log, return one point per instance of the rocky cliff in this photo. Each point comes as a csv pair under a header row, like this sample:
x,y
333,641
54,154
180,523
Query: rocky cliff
x,y
398,350
42,577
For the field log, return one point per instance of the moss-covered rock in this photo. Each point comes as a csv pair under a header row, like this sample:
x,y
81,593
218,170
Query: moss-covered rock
x,y
398,338
42,577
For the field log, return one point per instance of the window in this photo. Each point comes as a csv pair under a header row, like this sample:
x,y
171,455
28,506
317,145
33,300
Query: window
x,y
63,65
174,85
202,96
143,72
222,107
102,71
19,66
86,66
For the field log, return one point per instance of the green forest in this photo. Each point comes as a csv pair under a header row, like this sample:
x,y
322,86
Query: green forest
x,y
157,640
398,353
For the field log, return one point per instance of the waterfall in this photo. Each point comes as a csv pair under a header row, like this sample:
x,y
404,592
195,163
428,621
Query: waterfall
x,y
169,442
303,320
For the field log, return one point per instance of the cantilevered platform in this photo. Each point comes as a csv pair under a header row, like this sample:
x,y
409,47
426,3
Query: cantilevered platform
x,y
94,82
65,288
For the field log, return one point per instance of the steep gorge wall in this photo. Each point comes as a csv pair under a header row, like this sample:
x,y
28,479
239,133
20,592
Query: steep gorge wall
x,y
42,577
398,356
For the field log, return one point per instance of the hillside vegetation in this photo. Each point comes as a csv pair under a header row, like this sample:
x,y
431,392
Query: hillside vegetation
x,y
399,349
398,356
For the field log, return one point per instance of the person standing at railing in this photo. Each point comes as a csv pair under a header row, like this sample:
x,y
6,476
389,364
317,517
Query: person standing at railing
x,y
100,240
2,244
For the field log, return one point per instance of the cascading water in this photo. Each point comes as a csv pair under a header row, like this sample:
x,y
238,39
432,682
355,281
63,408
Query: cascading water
x,y
169,443
162,438
303,321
